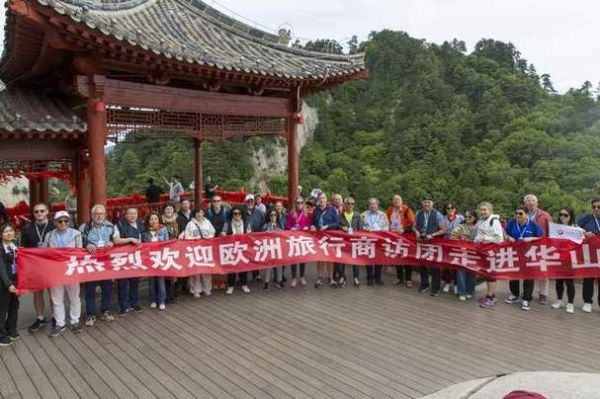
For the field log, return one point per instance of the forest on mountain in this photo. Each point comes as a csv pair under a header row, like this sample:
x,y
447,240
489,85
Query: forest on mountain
x,y
463,127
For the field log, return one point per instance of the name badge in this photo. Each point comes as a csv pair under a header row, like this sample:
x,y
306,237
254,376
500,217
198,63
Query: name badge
x,y
100,244
350,230
14,268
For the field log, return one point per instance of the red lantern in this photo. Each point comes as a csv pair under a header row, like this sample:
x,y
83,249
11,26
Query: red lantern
x,y
99,106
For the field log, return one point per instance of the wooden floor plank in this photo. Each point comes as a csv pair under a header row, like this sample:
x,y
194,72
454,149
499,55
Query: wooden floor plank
x,y
71,374
180,361
370,342
18,373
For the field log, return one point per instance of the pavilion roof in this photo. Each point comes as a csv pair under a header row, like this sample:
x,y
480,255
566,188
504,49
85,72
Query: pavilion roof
x,y
29,110
190,31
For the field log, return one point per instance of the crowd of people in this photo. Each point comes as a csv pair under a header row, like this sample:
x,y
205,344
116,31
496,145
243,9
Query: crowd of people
x,y
179,221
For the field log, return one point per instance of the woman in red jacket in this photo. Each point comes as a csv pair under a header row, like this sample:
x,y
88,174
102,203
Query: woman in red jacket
x,y
299,220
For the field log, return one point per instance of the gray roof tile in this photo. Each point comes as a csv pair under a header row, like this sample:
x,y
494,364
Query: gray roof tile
x,y
191,30
29,110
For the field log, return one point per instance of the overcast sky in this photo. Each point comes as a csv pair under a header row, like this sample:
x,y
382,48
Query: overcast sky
x,y
560,37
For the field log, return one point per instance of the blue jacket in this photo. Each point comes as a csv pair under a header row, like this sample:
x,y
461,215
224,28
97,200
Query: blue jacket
x,y
327,216
518,232
589,223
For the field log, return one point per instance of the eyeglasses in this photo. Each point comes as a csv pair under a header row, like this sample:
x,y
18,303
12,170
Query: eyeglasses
x,y
519,213
563,215
40,211
62,221
449,208
470,217
273,215
237,213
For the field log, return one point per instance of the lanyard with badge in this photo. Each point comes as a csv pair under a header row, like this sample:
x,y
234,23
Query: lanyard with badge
x,y
40,242
522,232
100,243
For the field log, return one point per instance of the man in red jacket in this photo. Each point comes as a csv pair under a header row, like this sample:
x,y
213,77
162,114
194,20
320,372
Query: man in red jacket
x,y
542,219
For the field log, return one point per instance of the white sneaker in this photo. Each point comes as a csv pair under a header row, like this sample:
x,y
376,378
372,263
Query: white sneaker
x,y
462,298
558,305
196,295
570,308
511,299
153,305
587,308
207,293
162,306
446,287
245,289
229,291
525,305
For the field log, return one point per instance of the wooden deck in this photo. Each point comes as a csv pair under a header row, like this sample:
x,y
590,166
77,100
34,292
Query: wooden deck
x,y
368,342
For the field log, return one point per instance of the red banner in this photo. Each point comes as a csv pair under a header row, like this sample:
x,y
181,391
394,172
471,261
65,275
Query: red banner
x,y
40,268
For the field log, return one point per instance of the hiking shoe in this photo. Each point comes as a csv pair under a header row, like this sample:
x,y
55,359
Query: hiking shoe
x,y
570,308
37,325
525,305
76,328
6,341
543,299
487,303
122,313
106,316
319,283
55,331
14,336
512,299
90,321
587,308
135,309
435,293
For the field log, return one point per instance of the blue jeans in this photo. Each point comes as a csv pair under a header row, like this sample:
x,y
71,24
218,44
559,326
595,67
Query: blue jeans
x,y
90,296
465,282
158,290
129,292
374,273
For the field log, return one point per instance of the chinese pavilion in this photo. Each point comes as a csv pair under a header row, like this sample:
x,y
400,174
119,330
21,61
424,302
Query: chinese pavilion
x,y
81,72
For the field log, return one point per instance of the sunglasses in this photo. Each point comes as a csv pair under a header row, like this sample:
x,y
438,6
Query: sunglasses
x,y
596,207
563,215
470,217
63,221
216,200
273,214
40,211
449,208
519,213
237,213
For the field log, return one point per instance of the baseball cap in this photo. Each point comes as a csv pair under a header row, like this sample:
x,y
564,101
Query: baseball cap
x,y
249,197
427,197
62,214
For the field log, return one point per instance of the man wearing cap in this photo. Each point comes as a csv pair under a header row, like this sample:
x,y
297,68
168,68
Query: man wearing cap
x,y
254,218
429,224
64,236
33,236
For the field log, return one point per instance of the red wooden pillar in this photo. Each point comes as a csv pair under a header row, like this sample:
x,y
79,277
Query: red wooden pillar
x,y
293,178
197,173
82,182
96,131
34,193
43,190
